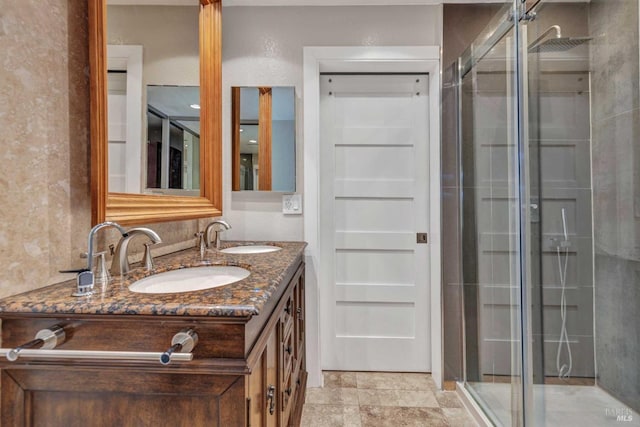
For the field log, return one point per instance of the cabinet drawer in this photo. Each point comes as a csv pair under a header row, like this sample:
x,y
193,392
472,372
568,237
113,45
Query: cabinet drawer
x,y
289,392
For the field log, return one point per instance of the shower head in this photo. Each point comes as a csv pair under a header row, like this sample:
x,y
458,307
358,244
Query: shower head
x,y
556,44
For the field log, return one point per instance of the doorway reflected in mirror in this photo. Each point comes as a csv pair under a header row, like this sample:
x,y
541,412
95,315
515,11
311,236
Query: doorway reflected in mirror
x,y
173,138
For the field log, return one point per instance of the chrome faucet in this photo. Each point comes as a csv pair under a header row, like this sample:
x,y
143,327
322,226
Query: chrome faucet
x,y
217,226
120,263
86,279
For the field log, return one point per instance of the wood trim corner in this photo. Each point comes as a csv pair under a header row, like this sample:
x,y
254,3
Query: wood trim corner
x,y
264,139
211,100
235,139
98,108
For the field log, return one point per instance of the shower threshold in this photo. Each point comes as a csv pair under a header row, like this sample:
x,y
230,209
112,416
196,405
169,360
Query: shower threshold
x,y
560,405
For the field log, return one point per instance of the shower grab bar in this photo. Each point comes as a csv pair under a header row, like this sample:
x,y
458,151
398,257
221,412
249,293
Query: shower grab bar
x,y
96,355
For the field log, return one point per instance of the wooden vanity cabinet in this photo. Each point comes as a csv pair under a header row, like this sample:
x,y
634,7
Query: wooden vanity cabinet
x,y
277,384
245,371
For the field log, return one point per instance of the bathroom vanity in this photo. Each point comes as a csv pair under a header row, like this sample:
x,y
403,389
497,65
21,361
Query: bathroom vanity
x,y
247,367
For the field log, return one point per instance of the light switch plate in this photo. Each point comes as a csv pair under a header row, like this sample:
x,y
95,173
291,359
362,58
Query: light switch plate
x,y
292,204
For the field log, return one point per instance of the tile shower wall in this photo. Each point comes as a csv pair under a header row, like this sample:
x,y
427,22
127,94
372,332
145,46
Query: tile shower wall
x,y
616,195
559,162
45,205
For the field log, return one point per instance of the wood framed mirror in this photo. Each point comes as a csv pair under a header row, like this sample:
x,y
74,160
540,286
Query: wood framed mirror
x,y
129,208
263,138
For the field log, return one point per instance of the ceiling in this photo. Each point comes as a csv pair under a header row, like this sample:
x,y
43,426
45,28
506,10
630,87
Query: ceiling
x,y
176,101
315,2
299,2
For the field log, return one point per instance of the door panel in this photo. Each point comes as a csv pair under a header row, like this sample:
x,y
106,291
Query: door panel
x,y
374,143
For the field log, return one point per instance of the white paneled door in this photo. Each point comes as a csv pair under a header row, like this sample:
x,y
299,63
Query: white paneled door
x,y
374,200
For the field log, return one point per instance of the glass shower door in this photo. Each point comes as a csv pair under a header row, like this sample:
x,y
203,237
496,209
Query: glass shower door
x,y
489,133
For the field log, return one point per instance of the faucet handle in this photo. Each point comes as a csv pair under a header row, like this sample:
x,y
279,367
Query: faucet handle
x,y
201,243
148,258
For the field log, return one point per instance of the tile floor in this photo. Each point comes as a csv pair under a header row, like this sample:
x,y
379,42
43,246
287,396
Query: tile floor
x,y
380,399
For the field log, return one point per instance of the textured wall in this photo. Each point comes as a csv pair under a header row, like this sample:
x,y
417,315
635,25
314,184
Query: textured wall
x,y
616,195
44,100
45,204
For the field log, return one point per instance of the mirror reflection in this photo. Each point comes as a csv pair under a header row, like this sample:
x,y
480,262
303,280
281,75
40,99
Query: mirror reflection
x,y
173,122
263,146
153,98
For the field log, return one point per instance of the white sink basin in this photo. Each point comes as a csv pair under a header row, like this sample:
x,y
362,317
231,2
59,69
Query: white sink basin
x,y
250,249
189,279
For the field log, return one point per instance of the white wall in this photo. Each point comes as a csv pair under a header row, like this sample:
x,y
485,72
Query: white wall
x,y
283,162
262,46
169,36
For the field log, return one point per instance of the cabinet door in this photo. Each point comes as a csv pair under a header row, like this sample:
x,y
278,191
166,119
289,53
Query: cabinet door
x,y
42,395
257,394
299,319
272,387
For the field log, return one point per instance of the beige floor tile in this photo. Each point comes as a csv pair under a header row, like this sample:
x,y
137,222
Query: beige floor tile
x,y
322,416
372,397
332,396
352,416
385,416
336,379
382,399
458,417
330,416
417,398
432,384
448,399
393,381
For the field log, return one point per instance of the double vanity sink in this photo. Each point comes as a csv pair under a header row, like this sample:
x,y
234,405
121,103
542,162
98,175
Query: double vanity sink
x,y
236,280
218,334
200,277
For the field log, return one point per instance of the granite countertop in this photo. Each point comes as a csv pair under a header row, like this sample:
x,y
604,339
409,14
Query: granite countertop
x,y
240,299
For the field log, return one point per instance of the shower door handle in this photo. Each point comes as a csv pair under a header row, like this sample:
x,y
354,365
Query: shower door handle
x,y
534,210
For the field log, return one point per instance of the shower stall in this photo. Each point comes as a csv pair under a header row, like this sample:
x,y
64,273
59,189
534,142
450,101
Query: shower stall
x,y
546,149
